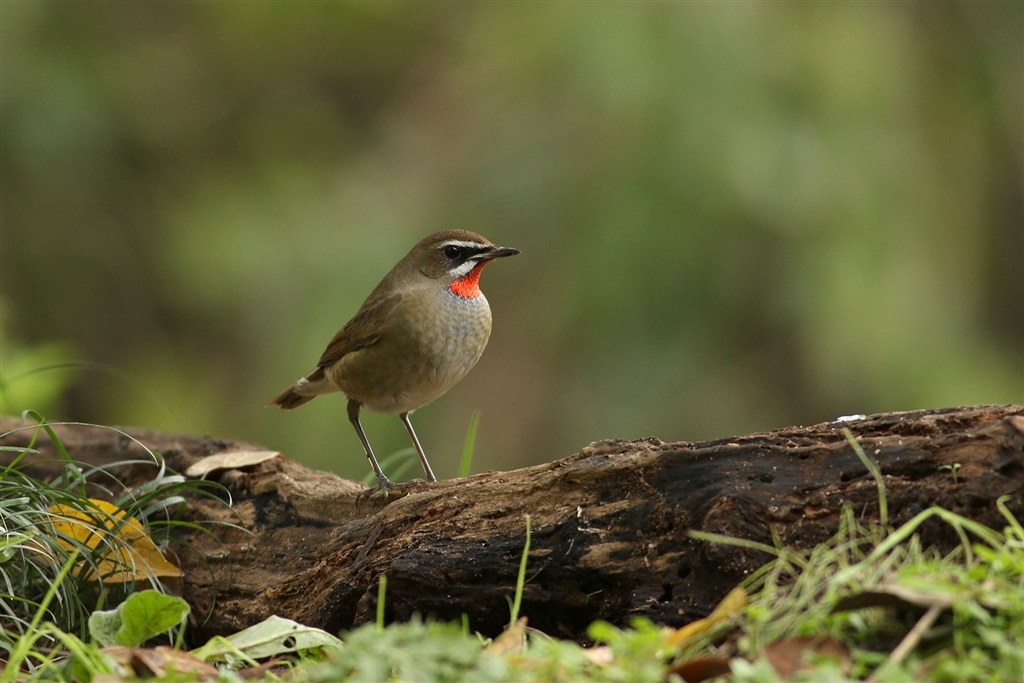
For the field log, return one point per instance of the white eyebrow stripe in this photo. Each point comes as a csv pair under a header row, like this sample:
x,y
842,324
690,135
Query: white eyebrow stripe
x,y
461,243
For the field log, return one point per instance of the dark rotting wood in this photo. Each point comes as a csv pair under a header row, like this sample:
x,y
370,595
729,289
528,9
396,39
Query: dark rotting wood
x,y
609,524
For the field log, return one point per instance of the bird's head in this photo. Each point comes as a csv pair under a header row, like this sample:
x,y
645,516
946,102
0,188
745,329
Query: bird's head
x,y
456,258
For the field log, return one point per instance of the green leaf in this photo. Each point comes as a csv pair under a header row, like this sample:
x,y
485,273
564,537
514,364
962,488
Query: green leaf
x,y
143,615
103,626
272,636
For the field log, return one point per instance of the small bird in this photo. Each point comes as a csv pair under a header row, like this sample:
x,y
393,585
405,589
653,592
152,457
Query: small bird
x,y
417,334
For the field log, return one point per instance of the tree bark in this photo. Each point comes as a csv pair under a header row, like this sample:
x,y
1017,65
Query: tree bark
x,y
609,524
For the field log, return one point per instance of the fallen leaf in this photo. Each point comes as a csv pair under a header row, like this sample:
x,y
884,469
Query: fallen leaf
x,y
233,460
895,595
271,637
511,639
730,604
601,655
791,656
159,661
697,669
128,553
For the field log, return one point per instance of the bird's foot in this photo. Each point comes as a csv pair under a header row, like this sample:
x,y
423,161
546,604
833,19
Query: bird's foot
x,y
379,492
390,491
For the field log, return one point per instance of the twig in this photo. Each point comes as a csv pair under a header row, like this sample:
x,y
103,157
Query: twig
x,y
908,643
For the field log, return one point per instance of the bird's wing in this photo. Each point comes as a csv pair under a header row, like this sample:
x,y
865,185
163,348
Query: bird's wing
x,y
361,331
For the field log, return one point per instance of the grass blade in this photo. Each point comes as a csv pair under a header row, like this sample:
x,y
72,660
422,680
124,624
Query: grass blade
x,y
521,577
466,462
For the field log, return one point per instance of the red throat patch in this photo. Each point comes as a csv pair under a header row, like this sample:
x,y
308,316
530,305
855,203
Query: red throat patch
x,y
468,287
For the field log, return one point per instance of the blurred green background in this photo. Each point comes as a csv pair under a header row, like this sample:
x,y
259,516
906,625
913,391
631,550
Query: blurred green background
x,y
732,217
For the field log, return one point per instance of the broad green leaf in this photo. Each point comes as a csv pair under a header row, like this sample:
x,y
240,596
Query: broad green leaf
x,y
103,626
142,616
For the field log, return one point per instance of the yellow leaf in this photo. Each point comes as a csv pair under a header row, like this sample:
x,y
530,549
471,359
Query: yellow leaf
x,y
127,552
730,604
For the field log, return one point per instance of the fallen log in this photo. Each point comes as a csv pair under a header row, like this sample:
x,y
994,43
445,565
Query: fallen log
x,y
609,524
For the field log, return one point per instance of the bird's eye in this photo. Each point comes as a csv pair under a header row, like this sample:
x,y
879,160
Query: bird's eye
x,y
452,252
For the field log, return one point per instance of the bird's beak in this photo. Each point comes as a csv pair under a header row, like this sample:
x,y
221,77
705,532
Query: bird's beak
x,y
498,252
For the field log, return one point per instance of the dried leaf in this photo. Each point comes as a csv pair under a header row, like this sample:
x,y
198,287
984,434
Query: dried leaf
x,y
730,604
601,655
511,640
697,669
895,595
158,662
793,655
127,553
229,461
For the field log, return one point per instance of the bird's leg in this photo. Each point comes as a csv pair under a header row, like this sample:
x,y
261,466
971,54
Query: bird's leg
x,y
353,417
419,449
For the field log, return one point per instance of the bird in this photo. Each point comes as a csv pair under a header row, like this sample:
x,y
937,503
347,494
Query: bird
x,y
418,333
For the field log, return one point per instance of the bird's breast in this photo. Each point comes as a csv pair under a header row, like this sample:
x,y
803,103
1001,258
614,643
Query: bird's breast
x,y
452,337
429,344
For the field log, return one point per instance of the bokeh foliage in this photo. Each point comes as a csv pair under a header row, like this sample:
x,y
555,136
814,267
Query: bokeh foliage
x,y
733,216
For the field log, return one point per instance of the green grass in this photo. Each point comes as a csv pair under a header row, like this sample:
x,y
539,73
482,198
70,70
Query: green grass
x,y
976,591
887,608
517,600
870,604
63,555
466,460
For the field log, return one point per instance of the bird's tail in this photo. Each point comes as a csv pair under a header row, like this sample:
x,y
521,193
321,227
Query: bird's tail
x,y
303,391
